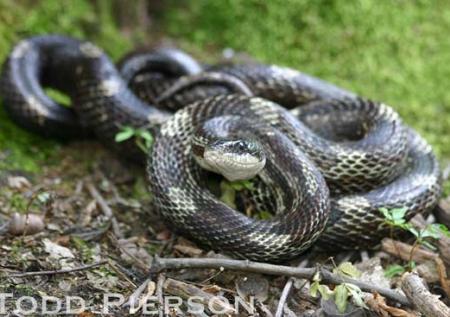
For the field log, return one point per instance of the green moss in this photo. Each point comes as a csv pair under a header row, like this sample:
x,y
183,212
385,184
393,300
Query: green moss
x,y
19,19
396,52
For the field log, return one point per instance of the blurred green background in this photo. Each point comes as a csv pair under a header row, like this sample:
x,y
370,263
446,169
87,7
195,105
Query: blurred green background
x,y
394,51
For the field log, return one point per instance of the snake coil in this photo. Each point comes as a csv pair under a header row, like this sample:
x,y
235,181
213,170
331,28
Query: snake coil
x,y
332,159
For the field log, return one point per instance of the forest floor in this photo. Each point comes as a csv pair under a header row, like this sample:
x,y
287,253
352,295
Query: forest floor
x,y
89,207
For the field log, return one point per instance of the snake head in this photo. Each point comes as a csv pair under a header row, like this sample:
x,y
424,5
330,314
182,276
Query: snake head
x,y
234,159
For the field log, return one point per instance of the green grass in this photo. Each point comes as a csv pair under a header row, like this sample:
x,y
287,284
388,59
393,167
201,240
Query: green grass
x,y
394,51
19,19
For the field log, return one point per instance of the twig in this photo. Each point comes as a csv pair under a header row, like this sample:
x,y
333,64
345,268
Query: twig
x,y
407,252
264,311
160,264
105,208
186,291
428,304
159,293
120,273
286,291
136,294
138,262
64,271
442,272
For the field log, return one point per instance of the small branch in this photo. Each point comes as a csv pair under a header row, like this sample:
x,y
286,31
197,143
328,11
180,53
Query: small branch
x,y
138,262
407,252
428,304
159,293
442,272
136,294
120,273
186,291
286,291
160,264
105,208
55,272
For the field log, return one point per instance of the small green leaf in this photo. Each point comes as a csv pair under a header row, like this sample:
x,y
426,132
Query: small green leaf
x,y
125,134
238,186
341,297
316,277
248,184
394,270
385,213
414,232
58,96
325,292
228,194
241,185
347,269
317,288
356,294
147,136
442,229
432,231
399,213
314,289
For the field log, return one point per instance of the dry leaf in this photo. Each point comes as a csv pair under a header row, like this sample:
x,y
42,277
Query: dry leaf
x,y
378,304
59,254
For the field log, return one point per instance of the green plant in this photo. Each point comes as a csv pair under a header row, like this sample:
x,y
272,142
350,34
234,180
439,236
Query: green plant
x,y
395,219
228,190
142,137
394,270
342,292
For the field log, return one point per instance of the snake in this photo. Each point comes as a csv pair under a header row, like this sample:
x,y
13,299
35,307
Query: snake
x,y
322,160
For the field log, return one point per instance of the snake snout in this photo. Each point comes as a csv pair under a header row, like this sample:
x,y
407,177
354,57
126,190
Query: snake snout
x,y
234,159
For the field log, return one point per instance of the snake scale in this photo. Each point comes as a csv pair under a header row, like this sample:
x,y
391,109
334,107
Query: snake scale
x,y
322,160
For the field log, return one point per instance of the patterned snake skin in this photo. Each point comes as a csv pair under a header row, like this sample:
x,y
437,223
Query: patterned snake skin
x,y
332,161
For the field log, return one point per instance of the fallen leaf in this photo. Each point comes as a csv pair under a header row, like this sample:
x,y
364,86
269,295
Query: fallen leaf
x,y
58,253
378,304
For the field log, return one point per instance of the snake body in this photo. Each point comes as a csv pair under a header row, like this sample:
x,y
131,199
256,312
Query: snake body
x,y
332,161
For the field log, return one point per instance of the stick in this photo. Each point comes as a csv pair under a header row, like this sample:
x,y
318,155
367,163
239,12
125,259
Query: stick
x,y
428,304
105,208
286,291
407,252
136,294
64,271
160,264
159,293
120,273
186,291
139,263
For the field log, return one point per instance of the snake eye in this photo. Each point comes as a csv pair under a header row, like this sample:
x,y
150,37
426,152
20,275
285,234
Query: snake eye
x,y
241,146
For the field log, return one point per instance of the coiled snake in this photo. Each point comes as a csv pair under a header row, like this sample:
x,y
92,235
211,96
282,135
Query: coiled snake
x,y
324,168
